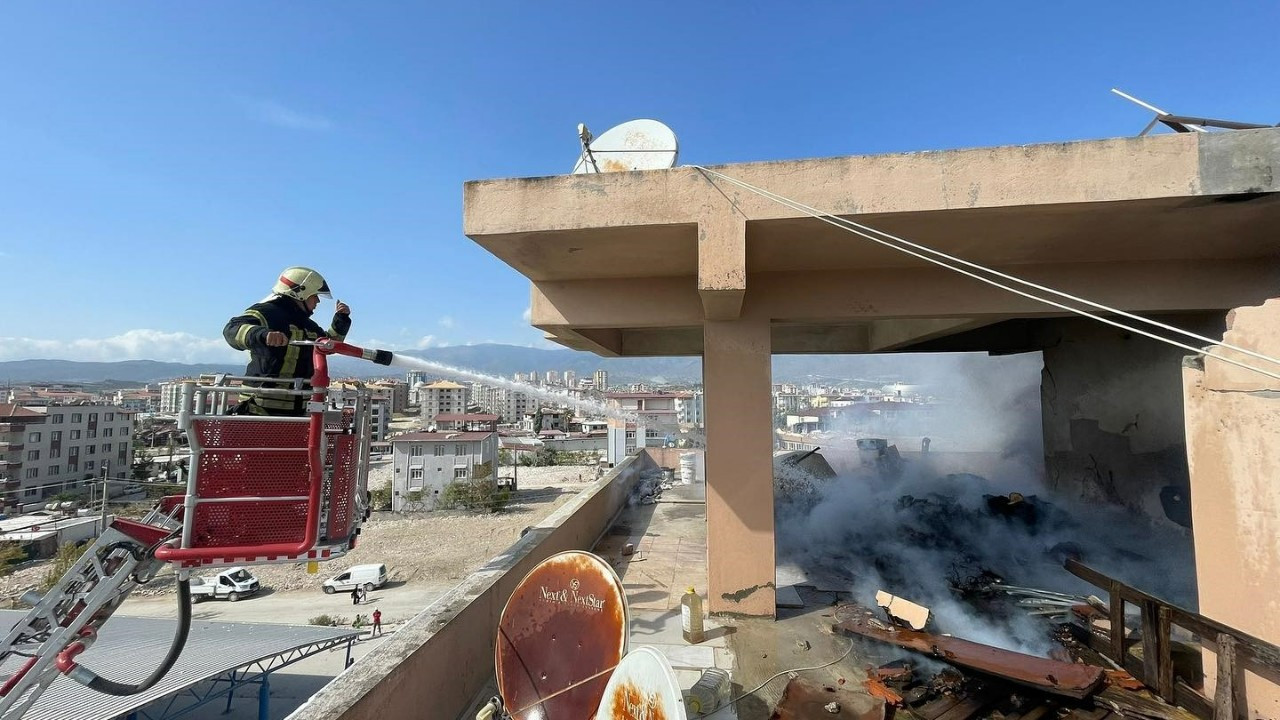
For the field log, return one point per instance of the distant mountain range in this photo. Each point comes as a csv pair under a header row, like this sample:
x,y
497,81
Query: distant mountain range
x,y
504,360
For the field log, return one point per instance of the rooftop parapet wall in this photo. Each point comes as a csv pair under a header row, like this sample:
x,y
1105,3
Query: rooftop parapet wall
x,y
1117,169
436,664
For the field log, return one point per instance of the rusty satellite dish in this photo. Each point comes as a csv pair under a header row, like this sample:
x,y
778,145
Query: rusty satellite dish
x,y
642,686
560,636
634,145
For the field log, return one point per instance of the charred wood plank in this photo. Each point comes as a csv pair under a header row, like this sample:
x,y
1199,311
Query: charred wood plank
x,y
1228,694
972,705
1051,676
1188,697
1140,705
1117,622
1249,649
1150,642
1164,678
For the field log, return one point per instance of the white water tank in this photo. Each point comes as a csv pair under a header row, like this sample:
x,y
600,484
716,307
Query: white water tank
x,y
688,468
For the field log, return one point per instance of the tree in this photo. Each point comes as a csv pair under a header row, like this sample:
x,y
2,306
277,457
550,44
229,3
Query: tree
x,y
11,553
544,456
142,465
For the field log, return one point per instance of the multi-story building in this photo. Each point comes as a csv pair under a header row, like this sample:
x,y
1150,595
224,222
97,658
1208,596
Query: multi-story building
x,y
552,377
413,377
602,380
650,420
425,462
570,378
443,397
790,403
58,447
137,400
689,408
394,392
511,405
170,397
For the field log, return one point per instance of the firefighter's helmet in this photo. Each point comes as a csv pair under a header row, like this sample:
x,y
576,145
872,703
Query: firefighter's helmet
x,y
301,283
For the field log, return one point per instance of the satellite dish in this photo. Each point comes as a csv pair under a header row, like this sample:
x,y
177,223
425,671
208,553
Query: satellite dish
x,y
634,145
564,627
642,686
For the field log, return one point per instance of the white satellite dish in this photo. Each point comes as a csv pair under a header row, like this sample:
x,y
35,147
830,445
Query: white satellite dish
x,y
642,686
634,145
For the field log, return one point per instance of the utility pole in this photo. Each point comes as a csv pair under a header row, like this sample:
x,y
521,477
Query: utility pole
x,y
106,464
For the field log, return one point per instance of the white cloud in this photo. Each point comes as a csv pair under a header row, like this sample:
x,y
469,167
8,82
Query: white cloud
x,y
446,321
527,315
425,342
275,113
132,345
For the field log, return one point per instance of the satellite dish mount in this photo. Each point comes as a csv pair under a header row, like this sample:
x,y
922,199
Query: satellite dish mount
x,y
634,145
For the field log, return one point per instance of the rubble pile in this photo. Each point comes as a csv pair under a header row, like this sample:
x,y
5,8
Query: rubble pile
x,y
648,489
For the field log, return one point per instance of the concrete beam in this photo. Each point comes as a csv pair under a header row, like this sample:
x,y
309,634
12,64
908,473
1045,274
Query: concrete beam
x,y
814,298
886,335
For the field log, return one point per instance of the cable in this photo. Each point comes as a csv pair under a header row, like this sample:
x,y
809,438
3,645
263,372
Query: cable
x,y
111,687
756,689
862,231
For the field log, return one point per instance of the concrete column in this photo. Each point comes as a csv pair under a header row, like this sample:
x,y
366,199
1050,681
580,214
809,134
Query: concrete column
x,y
1233,420
736,373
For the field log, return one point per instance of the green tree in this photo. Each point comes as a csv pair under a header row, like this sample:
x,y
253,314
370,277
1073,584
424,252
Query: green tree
x,y
380,498
545,456
68,554
142,466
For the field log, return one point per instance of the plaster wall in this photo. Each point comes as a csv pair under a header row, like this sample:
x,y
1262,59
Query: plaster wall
x,y
1232,422
437,663
1112,412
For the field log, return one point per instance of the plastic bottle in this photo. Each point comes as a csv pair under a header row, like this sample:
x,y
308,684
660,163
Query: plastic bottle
x,y
691,616
710,692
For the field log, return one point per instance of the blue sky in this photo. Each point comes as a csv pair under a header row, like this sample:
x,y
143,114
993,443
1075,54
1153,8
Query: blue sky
x,y
160,162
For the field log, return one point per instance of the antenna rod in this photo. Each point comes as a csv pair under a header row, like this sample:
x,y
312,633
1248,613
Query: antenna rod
x,y
1153,109
584,136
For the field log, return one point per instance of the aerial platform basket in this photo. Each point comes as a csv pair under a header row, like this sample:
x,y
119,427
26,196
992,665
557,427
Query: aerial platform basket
x,y
271,489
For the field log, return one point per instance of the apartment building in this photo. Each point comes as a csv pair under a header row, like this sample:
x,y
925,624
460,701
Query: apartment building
x,y
601,380
443,397
396,393
510,405
52,448
689,409
652,419
425,462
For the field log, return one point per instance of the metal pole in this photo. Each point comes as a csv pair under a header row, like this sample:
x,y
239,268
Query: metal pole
x,y
264,697
105,494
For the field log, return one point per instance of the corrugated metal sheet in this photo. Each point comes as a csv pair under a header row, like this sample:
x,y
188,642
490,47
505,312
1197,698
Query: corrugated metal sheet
x,y
130,648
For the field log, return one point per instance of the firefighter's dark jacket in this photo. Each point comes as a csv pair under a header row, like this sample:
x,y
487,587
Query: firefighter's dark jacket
x,y
249,332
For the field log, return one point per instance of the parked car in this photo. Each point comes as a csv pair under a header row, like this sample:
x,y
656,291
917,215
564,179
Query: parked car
x,y
230,584
366,576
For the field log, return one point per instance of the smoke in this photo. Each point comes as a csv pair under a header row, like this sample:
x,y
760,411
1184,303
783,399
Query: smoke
x,y
935,528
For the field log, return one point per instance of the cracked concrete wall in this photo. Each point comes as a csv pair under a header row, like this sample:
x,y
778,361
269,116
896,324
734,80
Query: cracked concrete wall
x,y
1112,412
1232,429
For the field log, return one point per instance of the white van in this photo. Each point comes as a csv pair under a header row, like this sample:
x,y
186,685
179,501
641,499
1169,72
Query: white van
x,y
366,576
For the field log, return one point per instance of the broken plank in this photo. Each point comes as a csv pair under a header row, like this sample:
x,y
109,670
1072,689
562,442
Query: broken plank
x,y
1228,693
972,705
1051,676
1140,705
935,707
804,700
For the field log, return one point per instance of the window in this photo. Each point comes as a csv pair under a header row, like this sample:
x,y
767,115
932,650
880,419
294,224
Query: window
x,y
106,448
55,453
55,436
415,451
109,417
57,419
89,450
54,469
438,451
33,473
77,417
33,454
460,473
106,432
33,437
88,465
415,479
93,417
91,433
124,431
460,449
75,434
30,493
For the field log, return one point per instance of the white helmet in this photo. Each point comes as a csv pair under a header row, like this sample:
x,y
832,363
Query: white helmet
x,y
301,283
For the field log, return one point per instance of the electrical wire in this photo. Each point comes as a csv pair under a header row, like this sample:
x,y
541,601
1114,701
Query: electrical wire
x,y
733,701
864,231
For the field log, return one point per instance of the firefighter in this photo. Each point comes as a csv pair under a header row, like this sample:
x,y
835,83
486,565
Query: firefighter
x,y
267,328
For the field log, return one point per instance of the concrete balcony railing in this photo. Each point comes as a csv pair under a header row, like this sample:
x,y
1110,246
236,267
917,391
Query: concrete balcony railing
x,y
443,657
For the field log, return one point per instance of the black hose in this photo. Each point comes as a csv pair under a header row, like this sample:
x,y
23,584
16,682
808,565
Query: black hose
x,y
112,687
